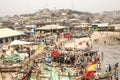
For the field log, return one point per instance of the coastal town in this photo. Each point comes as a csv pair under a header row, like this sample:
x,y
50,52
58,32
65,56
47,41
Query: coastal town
x,y
60,44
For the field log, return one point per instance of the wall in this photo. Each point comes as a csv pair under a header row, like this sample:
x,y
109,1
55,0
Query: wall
x,y
9,40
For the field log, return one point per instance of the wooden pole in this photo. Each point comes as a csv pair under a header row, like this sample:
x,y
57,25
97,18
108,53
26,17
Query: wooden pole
x,y
37,76
1,76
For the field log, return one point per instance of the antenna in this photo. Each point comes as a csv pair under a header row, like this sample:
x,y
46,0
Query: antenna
x,y
72,4
46,5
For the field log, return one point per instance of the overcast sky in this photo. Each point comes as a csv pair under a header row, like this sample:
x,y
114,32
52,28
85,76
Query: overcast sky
x,y
11,7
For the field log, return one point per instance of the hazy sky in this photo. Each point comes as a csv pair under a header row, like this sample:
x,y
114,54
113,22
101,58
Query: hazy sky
x,y
11,7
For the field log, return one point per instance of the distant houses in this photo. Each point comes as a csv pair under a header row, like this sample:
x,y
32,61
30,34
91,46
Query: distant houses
x,y
7,35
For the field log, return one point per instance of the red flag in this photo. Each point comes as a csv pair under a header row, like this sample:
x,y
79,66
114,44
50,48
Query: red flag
x,y
55,53
80,43
89,74
91,70
68,35
14,67
27,76
95,61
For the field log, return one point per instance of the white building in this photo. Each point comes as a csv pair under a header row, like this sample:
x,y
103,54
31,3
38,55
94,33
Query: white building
x,y
7,35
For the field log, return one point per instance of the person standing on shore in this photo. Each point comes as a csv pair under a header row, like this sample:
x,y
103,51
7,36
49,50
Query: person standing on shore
x,y
116,66
102,56
109,67
105,42
97,77
116,75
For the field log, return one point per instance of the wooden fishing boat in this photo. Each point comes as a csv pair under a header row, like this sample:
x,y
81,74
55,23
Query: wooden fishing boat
x,y
109,74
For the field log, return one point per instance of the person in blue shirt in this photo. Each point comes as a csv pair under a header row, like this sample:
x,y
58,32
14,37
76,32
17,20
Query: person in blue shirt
x,y
116,75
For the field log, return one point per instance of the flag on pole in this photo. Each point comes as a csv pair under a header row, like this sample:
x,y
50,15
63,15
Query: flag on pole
x,y
89,74
90,71
92,67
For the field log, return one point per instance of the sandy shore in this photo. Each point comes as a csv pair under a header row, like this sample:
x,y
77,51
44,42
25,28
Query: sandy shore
x,y
111,49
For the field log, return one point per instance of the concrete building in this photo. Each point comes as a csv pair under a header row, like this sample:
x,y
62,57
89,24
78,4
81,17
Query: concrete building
x,y
7,35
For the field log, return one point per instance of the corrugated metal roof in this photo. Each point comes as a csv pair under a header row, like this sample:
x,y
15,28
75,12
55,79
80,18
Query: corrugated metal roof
x,y
6,32
49,27
101,24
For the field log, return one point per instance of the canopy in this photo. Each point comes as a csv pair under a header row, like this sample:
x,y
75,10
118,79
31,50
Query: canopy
x,y
18,42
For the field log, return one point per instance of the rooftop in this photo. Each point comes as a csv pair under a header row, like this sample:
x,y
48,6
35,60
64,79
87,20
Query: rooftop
x,y
49,27
6,32
101,24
